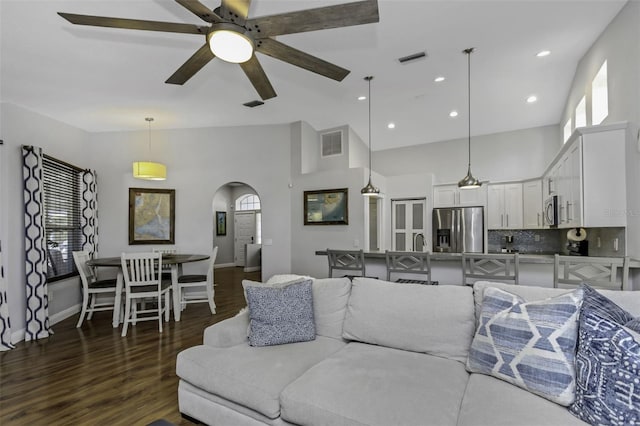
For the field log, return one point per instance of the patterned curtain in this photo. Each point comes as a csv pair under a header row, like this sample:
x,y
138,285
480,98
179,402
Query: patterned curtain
x,y
89,219
37,314
5,322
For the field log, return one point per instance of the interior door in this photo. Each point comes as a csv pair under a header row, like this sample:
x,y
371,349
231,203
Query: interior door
x,y
245,233
408,224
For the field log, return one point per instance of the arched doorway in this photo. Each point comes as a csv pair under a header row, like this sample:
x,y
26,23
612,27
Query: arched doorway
x,y
237,229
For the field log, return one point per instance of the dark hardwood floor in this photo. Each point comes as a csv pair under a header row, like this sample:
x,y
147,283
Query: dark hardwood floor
x,y
92,376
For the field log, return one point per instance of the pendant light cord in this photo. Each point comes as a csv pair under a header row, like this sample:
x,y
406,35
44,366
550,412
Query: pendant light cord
x,y
369,78
469,98
149,120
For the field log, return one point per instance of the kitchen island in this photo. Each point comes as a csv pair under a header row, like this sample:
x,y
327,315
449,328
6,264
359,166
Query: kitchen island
x,y
446,268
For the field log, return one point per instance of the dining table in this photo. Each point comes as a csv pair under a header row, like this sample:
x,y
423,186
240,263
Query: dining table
x,y
174,261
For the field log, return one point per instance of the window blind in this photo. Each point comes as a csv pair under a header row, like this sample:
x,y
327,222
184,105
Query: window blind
x,y
62,192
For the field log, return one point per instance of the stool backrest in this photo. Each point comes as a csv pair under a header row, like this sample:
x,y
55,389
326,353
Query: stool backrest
x,y
502,267
610,273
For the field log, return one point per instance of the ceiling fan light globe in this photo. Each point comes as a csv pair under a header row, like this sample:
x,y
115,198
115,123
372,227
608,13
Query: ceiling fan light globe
x,y
231,46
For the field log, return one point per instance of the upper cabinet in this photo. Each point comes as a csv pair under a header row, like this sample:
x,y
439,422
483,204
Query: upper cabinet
x,y
452,196
504,206
532,204
588,177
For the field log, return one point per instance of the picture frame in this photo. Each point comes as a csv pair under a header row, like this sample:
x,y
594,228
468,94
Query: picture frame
x,y
221,223
152,216
326,207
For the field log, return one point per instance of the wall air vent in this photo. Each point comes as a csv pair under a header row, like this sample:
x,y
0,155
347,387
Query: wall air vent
x,y
331,143
253,104
413,57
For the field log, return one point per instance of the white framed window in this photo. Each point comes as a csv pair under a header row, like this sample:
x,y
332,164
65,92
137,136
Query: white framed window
x,y
248,202
581,113
599,96
567,130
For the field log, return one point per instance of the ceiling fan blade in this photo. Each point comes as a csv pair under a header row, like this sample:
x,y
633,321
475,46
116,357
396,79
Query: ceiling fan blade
x,y
285,53
321,18
200,10
132,24
192,66
258,78
236,10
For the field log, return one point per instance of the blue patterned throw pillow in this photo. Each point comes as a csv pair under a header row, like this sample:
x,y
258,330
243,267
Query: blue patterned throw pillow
x,y
529,344
607,364
280,315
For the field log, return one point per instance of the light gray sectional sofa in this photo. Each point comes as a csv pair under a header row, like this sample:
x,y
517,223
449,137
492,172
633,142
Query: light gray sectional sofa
x,y
384,354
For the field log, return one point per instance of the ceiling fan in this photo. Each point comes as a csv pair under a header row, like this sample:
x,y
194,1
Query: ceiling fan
x,y
234,37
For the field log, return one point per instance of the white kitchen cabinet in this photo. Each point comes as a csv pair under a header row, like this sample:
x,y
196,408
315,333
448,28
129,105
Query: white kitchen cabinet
x,y
452,196
588,176
504,206
532,204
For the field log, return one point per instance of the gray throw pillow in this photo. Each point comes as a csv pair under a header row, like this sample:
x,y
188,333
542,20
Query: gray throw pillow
x,y
280,315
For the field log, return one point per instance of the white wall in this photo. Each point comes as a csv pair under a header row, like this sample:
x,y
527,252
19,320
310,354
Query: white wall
x,y
199,161
619,46
24,127
511,155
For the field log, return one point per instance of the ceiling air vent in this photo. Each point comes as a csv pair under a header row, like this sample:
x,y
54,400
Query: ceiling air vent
x,y
331,143
253,104
413,57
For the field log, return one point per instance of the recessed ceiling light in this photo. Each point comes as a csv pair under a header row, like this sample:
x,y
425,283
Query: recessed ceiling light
x,y
438,79
531,99
391,126
543,53
453,113
362,98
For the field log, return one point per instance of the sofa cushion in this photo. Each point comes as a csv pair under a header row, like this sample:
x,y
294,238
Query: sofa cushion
x,y
330,297
252,376
607,363
366,384
529,344
492,402
280,315
436,320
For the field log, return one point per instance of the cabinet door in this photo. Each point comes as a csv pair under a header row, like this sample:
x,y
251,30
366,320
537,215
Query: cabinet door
x,y
495,207
573,202
471,197
532,204
513,206
445,195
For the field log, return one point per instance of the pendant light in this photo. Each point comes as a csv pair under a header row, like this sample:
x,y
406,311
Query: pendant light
x,y
369,190
469,181
146,169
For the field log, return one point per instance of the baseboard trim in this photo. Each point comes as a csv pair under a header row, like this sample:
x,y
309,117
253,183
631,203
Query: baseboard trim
x,y
18,335
224,265
252,268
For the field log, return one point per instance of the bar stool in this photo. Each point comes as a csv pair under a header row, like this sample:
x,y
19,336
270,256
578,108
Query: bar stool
x,y
490,267
598,272
409,262
346,260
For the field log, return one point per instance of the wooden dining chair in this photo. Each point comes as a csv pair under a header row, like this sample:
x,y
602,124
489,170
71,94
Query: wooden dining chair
x,y
610,273
166,269
143,281
502,267
205,282
409,262
97,294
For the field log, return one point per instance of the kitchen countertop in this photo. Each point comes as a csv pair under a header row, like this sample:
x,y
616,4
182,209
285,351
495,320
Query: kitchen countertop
x,y
532,258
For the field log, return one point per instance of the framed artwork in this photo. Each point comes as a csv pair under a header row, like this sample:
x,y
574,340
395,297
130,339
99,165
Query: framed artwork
x,y
221,223
326,207
152,216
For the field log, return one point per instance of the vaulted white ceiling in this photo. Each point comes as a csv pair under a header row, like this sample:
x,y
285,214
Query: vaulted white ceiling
x,y
102,79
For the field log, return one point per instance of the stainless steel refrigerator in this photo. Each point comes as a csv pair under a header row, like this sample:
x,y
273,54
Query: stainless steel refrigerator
x,y
458,230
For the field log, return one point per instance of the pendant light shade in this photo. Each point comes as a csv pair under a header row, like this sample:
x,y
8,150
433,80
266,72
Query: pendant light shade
x,y
469,181
369,190
149,170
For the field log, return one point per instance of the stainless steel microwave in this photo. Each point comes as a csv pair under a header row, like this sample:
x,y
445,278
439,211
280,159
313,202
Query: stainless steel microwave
x,y
551,211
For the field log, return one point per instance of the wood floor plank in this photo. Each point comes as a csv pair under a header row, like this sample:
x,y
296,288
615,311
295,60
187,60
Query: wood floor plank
x,y
92,376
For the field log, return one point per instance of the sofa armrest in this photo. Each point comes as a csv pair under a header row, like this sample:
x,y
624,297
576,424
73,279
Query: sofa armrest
x,y
227,333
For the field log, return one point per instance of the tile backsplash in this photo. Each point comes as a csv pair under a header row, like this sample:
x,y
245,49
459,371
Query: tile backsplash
x,y
551,241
